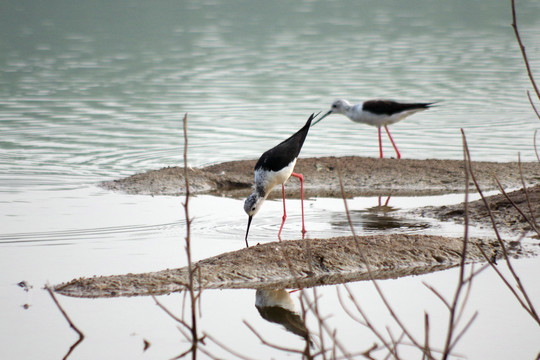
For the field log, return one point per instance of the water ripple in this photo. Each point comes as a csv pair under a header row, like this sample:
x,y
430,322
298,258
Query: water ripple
x,y
64,237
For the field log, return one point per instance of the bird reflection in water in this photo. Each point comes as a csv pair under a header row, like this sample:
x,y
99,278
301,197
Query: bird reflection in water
x,y
378,218
277,306
382,208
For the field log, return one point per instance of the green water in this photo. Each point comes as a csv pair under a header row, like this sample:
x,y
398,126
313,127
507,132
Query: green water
x,y
102,86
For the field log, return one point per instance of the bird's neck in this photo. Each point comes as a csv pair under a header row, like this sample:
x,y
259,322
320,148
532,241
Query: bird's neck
x,y
261,191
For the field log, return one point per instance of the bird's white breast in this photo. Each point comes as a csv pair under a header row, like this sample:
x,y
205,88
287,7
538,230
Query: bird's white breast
x,y
271,298
269,179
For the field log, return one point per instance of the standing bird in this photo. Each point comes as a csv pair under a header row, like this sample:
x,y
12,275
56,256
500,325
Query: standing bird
x,y
274,167
377,113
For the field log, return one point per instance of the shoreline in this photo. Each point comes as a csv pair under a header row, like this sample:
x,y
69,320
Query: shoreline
x,y
312,262
362,176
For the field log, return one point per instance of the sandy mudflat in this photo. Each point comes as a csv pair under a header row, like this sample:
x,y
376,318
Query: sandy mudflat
x,y
361,176
298,263
505,214
305,263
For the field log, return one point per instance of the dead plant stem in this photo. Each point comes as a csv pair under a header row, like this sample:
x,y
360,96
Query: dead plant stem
x,y
71,324
522,48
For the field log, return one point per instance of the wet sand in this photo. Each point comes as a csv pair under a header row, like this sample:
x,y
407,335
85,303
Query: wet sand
x,y
505,213
305,263
297,264
362,176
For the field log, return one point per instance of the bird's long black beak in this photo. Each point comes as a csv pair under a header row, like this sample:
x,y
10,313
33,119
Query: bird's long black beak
x,y
322,117
247,231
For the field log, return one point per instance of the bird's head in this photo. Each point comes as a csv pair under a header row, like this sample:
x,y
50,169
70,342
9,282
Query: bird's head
x,y
253,204
251,207
338,107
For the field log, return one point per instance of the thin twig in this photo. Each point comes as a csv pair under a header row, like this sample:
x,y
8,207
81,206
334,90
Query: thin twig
x,y
168,312
535,147
531,211
427,348
191,288
518,209
367,353
452,322
226,348
522,48
347,311
532,104
71,324
463,331
269,344
194,298
467,293
369,324
368,269
507,283
533,217
475,273
504,251
438,294
325,328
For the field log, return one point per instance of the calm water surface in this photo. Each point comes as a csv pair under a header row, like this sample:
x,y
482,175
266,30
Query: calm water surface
x,y
92,91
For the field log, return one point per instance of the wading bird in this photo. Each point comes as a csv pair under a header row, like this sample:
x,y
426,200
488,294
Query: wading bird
x,y
377,113
274,167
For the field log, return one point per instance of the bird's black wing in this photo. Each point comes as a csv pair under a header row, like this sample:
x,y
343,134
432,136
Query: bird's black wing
x,y
282,154
389,107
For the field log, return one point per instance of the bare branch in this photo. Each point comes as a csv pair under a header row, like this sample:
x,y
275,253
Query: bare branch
x,y
510,287
226,348
368,322
438,294
71,324
370,274
454,315
531,223
168,312
427,348
464,330
522,48
269,344
532,104
531,211
535,147
347,311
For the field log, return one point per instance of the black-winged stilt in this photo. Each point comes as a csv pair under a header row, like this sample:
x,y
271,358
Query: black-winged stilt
x,y
277,306
274,167
376,113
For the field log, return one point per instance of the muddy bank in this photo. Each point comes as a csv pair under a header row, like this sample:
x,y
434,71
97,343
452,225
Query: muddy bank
x,y
362,176
506,216
298,263
306,263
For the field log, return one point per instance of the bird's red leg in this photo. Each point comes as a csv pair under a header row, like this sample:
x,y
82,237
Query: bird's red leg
x,y
380,144
392,140
301,177
284,213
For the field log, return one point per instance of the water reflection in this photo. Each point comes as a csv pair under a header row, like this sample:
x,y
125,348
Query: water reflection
x,y
378,218
276,306
380,208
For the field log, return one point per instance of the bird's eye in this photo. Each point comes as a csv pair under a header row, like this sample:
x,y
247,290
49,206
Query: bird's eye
x,y
334,106
253,208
